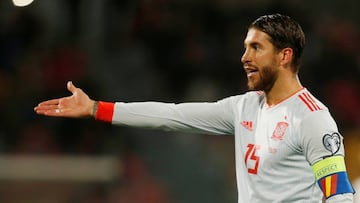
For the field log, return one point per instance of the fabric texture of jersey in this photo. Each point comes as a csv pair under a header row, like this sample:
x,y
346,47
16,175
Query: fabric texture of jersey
x,y
275,146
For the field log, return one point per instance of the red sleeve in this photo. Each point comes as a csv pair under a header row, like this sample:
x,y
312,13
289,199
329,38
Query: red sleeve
x,y
105,111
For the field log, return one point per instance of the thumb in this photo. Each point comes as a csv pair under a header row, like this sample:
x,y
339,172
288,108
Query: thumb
x,y
71,87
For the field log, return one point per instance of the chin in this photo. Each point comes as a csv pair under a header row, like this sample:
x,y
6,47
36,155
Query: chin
x,y
252,87
259,86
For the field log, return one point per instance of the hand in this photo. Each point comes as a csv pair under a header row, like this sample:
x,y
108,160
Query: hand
x,y
75,106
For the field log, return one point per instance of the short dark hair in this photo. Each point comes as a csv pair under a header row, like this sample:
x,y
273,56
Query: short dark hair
x,y
284,32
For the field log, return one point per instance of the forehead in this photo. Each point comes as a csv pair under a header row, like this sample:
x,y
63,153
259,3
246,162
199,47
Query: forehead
x,y
257,36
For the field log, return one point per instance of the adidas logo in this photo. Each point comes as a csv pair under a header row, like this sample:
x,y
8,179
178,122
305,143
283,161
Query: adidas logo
x,y
247,124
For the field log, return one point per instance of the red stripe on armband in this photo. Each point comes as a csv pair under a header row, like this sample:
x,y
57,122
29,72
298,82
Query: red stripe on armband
x,y
105,111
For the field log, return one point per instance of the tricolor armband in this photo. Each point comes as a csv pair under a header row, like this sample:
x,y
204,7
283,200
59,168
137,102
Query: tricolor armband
x,y
105,111
331,176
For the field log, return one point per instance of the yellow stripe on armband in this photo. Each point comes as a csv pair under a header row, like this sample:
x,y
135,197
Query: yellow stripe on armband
x,y
328,166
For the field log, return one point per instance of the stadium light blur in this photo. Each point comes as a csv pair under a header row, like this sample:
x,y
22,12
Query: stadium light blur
x,y
22,3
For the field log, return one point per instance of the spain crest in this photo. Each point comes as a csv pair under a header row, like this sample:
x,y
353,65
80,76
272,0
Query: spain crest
x,y
279,131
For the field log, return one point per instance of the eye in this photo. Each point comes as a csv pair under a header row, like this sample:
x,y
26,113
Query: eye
x,y
256,46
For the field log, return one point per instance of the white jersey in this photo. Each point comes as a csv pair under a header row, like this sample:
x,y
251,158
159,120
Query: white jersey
x,y
275,146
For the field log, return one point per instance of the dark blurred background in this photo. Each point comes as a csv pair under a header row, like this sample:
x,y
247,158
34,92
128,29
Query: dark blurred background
x,y
161,50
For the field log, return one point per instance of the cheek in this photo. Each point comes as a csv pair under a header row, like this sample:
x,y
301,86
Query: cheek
x,y
267,60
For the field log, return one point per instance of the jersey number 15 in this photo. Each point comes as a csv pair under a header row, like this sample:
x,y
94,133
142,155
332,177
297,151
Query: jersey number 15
x,y
250,156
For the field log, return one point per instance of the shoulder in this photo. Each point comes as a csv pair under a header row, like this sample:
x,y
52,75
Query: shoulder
x,y
248,100
308,106
250,96
309,102
309,112
311,109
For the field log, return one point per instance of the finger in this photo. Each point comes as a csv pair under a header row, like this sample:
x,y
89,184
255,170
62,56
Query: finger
x,y
46,107
57,112
71,87
49,102
48,112
52,112
49,109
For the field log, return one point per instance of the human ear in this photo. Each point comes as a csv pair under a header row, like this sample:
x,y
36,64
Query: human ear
x,y
286,56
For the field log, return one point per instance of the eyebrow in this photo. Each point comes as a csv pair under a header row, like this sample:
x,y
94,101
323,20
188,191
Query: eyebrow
x,y
252,44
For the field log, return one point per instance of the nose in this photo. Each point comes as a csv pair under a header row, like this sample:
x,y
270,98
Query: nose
x,y
245,57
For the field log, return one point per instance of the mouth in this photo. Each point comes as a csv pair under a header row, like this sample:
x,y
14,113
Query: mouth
x,y
250,70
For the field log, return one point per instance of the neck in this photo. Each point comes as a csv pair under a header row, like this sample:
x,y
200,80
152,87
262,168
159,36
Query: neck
x,y
283,88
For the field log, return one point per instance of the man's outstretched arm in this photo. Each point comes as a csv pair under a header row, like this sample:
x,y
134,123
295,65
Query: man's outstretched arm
x,y
77,105
204,117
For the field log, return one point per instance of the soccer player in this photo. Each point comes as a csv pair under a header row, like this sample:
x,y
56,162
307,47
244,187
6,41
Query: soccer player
x,y
287,145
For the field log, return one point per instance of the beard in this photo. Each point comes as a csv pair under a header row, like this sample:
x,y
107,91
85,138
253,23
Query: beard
x,y
265,81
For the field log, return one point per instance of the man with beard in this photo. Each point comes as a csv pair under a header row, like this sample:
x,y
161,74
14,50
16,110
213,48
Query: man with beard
x,y
287,145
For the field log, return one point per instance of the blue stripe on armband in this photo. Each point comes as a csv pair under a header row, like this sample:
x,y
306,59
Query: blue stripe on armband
x,y
337,183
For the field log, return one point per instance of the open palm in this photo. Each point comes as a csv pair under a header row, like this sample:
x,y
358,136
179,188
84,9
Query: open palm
x,y
77,105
